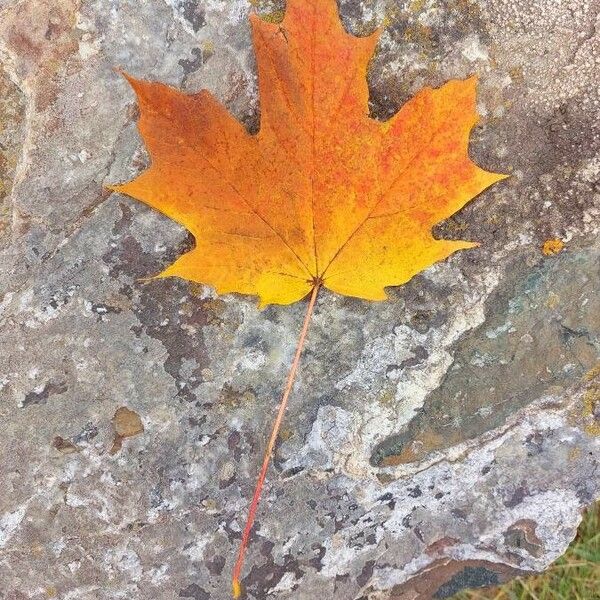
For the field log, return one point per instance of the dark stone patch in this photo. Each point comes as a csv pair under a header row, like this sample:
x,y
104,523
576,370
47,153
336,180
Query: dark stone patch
x,y
231,396
440,545
361,539
88,433
136,526
388,498
197,422
445,577
459,513
517,497
420,354
216,565
194,14
291,472
41,397
424,320
469,577
101,309
341,580
391,446
418,531
534,443
264,577
194,591
166,319
415,492
200,56
266,547
366,573
234,445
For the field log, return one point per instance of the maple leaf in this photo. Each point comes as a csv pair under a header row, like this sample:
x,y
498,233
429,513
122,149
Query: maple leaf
x,y
323,195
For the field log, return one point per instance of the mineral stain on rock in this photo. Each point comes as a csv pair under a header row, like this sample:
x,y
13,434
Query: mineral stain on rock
x,y
521,535
64,446
127,423
469,577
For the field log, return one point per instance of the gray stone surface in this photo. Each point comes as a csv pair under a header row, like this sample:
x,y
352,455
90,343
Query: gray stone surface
x,y
445,438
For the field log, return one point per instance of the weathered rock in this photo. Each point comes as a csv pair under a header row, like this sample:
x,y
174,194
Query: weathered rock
x,y
445,438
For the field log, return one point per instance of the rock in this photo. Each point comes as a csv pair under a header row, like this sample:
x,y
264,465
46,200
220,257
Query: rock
x,y
447,438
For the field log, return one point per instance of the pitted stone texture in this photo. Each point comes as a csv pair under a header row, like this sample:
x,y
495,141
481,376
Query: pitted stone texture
x,y
445,438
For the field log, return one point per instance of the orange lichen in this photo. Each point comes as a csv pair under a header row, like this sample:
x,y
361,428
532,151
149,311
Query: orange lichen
x,y
554,246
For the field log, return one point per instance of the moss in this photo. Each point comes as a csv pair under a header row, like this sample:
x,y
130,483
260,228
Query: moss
x,y
591,400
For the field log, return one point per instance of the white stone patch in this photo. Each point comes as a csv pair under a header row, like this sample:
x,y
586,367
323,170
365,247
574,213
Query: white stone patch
x,y
492,334
5,302
158,575
9,523
590,171
376,419
285,584
338,557
81,591
40,315
377,354
25,300
252,360
331,438
75,501
196,551
432,15
547,509
124,560
74,566
231,11
387,577
473,50
58,546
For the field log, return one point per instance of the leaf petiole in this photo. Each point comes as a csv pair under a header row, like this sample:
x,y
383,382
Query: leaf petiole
x,y
237,589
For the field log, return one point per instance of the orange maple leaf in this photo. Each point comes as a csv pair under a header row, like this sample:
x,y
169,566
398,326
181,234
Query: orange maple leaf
x,y
323,195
